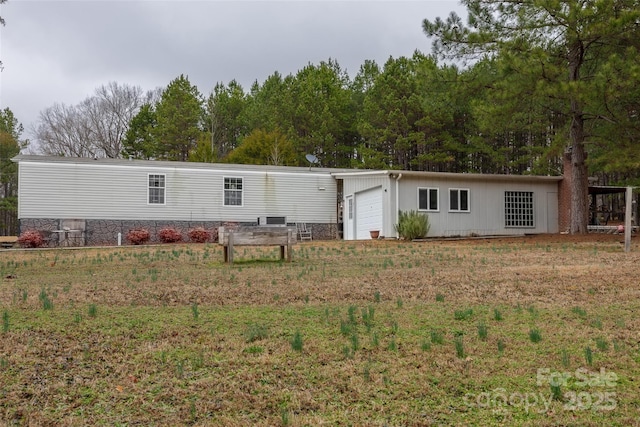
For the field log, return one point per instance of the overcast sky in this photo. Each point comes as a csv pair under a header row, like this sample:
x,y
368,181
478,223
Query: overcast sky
x,y
60,51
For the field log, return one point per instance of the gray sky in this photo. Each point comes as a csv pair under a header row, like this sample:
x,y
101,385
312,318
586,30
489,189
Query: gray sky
x,y
57,51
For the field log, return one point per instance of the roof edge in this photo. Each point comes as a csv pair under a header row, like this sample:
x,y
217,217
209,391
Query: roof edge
x,y
337,173
428,174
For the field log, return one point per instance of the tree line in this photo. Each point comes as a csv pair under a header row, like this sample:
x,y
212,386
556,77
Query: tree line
x,y
410,113
511,91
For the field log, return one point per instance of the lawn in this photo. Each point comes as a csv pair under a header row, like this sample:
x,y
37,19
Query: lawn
x,y
512,331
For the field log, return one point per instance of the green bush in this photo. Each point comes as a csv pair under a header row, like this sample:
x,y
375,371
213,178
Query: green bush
x,y
412,225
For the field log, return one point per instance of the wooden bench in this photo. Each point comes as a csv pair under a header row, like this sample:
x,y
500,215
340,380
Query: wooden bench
x,y
285,237
8,241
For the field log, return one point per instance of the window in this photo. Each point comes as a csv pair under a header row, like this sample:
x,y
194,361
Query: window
x,y
518,209
156,189
233,191
458,200
428,199
350,204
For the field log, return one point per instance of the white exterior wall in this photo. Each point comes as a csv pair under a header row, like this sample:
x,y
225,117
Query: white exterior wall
x,y
487,205
354,185
119,192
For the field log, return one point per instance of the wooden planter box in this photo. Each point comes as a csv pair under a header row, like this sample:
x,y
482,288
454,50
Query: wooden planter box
x,y
285,237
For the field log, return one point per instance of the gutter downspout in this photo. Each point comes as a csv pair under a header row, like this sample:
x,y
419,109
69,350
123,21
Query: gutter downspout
x,y
398,178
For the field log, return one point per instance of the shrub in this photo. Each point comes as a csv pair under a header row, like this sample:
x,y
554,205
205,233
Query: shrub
x,y
412,225
138,236
199,235
256,332
482,331
31,239
534,335
463,314
459,343
169,235
588,355
296,341
437,337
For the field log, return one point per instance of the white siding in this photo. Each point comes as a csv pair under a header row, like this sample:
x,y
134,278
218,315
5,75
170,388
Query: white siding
x,y
354,184
99,191
486,205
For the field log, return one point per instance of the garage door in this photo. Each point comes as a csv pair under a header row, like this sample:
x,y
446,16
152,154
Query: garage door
x,y
368,212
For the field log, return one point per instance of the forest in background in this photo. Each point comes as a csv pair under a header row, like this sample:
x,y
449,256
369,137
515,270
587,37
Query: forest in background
x,y
509,92
410,113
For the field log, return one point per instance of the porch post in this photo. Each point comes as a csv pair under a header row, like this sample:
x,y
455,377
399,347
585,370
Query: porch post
x,y
627,219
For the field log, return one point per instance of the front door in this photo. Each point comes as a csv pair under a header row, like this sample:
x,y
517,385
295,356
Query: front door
x,y
349,222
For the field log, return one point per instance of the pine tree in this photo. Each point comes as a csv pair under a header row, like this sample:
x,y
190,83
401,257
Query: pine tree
x,y
556,47
179,116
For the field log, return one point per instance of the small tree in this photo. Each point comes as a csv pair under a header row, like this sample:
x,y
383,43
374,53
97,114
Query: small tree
x,y
412,225
264,148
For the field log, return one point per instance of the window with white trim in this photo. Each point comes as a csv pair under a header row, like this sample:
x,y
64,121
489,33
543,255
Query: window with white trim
x,y
518,209
458,200
232,191
428,199
156,189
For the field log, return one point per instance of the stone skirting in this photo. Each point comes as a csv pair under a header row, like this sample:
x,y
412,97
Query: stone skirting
x,y
103,232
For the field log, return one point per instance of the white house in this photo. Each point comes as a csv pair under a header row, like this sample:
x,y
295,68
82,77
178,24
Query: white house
x,y
456,204
105,197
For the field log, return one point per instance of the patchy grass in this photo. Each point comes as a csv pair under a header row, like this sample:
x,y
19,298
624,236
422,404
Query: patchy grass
x,y
360,333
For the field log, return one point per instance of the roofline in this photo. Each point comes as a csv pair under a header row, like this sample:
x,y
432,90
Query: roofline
x,y
427,174
337,173
361,172
32,158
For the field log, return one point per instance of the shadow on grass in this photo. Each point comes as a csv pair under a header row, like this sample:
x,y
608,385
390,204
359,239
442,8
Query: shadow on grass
x,y
258,261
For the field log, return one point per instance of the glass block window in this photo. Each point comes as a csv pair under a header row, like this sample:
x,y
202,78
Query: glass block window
x,y
518,209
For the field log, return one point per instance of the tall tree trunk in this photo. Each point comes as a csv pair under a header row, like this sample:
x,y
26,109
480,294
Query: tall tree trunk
x,y
579,178
579,182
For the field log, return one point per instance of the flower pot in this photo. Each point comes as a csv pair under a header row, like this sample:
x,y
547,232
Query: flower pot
x,y
374,234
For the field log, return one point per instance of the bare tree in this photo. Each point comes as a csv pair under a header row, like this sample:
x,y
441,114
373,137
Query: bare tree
x,y
109,112
62,131
93,128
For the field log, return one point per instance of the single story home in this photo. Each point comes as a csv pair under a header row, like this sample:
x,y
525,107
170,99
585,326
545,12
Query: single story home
x,y
101,198
456,204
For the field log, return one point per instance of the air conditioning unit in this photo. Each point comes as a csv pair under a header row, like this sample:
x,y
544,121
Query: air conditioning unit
x,y
272,220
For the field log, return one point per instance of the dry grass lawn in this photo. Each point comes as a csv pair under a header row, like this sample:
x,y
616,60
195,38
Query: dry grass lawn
x,y
511,331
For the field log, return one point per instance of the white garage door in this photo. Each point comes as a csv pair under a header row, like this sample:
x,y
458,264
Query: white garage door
x,y
368,212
